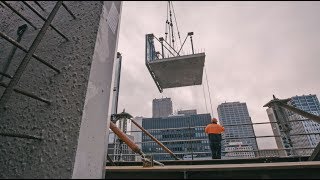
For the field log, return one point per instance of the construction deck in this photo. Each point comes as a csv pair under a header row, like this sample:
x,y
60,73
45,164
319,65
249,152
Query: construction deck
x,y
301,170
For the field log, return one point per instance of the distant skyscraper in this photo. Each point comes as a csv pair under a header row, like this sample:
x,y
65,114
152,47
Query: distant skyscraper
x,y
137,134
276,131
188,112
120,151
308,103
233,113
182,134
161,107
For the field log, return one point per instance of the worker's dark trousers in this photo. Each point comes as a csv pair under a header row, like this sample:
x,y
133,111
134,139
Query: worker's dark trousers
x,y
215,145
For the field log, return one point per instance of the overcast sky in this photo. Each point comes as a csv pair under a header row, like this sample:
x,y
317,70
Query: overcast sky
x,y
253,50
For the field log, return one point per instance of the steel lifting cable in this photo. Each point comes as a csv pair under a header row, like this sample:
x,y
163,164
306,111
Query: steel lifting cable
x,y
171,25
168,14
174,15
167,21
204,96
208,89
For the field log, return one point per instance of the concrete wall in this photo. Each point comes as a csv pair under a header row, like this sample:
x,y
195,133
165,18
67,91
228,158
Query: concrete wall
x,y
59,123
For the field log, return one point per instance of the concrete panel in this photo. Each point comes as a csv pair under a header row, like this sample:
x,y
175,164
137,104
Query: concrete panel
x,y
71,92
179,71
91,152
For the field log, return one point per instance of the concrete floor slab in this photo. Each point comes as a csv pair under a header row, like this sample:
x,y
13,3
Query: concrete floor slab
x,y
179,71
279,170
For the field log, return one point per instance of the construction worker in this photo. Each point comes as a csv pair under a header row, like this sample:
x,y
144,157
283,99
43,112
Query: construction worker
x,y
214,131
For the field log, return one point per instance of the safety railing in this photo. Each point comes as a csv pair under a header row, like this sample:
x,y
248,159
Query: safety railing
x,y
203,141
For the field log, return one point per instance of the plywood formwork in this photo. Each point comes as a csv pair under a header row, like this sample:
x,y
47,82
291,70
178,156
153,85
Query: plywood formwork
x,y
178,71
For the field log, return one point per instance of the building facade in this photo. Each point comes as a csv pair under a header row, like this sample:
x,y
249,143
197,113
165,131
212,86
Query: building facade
x,y
161,107
120,151
137,134
183,134
302,145
188,112
240,132
270,153
281,145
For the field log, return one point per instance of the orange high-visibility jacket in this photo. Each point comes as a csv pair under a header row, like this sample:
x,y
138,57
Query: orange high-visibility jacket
x,y
214,129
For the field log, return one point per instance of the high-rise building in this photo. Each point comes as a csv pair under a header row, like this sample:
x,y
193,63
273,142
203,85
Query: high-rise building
x,y
137,134
120,151
161,107
188,112
238,141
299,125
182,134
278,134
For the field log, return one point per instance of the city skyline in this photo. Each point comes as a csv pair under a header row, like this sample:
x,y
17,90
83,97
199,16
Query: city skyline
x,y
253,50
271,142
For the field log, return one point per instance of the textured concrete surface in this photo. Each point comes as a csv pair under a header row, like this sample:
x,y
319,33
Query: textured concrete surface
x,y
92,143
58,123
179,71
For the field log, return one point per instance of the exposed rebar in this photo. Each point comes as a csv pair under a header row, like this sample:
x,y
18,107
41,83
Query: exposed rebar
x,y
20,32
20,15
64,5
38,4
27,94
44,19
24,136
12,41
16,77
6,75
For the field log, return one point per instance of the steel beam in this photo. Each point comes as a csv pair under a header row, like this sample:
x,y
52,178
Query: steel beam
x,y
7,93
156,140
283,103
300,112
129,142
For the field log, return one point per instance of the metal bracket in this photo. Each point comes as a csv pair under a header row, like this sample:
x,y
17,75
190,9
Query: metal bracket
x,y
148,161
123,115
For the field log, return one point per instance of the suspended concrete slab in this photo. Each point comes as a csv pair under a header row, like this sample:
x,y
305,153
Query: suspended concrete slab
x,y
178,71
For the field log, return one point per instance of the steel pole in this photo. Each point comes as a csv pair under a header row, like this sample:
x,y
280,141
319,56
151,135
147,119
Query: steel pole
x,y
156,140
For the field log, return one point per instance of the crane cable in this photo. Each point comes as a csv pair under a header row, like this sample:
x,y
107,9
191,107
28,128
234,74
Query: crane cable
x,y
175,19
204,96
169,30
208,89
167,21
171,25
